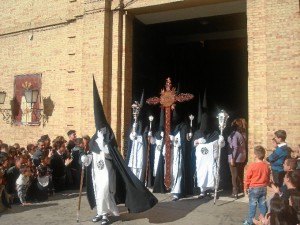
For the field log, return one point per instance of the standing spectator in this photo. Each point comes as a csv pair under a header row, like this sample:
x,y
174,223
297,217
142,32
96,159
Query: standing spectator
x,y
256,181
47,141
86,140
12,175
276,159
237,154
284,191
12,151
31,150
22,184
4,148
70,145
297,156
75,166
4,200
18,148
4,197
72,138
38,152
58,165
295,204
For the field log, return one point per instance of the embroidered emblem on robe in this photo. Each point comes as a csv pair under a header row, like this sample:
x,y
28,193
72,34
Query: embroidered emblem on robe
x,y
204,151
100,164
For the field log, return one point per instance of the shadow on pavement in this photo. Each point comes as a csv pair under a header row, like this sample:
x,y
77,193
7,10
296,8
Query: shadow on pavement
x,y
163,212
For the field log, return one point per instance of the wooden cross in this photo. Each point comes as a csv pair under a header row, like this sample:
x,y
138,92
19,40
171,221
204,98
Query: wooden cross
x,y
167,100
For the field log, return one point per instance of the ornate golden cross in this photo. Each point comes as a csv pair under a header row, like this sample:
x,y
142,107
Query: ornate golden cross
x,y
167,100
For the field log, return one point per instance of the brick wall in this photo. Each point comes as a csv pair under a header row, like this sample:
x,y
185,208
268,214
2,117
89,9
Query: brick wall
x,y
66,48
274,66
74,39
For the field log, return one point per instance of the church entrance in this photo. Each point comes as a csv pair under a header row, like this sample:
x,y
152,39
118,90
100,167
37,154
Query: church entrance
x,y
207,54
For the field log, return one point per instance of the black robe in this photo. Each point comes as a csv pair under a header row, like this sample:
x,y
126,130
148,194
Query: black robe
x,y
129,189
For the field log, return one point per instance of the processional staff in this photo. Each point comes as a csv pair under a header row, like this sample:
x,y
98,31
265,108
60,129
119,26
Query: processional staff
x,y
148,148
222,117
190,133
136,107
167,101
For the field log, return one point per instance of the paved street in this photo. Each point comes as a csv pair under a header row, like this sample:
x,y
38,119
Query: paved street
x,y
61,209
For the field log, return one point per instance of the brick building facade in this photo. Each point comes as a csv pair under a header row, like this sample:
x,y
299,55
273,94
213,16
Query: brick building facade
x,y
69,41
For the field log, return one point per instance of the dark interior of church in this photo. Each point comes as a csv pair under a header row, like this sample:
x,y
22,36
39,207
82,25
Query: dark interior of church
x,y
199,55
179,50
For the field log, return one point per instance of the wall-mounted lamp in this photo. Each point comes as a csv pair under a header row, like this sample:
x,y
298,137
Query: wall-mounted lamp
x,y
31,97
6,113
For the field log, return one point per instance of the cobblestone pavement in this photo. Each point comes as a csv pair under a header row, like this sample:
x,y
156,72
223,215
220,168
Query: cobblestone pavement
x,y
61,209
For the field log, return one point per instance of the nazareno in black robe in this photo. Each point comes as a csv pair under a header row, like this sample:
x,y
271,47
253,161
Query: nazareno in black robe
x,y
129,189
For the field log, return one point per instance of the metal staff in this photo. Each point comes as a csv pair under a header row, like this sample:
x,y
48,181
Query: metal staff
x,y
136,107
222,116
189,135
148,149
80,191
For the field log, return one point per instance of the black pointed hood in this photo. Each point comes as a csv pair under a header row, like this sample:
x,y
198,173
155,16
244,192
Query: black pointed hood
x,y
204,104
100,122
199,116
100,119
204,116
142,100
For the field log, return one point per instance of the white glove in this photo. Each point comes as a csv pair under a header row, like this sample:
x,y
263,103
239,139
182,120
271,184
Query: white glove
x,y
162,134
150,133
221,141
86,160
132,136
201,141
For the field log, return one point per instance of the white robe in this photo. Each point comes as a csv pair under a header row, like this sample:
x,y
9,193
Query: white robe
x,y
156,155
104,183
176,164
136,156
206,164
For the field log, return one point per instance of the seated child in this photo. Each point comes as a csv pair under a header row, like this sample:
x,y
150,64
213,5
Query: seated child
x,y
39,186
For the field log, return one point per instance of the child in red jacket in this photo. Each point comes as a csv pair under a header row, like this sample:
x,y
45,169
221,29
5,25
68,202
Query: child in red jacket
x,y
255,184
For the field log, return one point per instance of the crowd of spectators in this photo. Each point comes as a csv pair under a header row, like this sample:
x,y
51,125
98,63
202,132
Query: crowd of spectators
x,y
280,203
32,174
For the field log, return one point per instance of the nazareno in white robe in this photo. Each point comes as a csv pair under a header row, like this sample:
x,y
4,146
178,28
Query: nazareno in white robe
x,y
206,164
136,157
104,183
176,163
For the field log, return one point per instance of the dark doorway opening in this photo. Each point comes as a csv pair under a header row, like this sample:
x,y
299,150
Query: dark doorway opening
x,y
200,54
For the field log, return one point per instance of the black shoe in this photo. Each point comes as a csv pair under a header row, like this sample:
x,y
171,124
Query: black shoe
x,y
234,196
97,218
104,221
